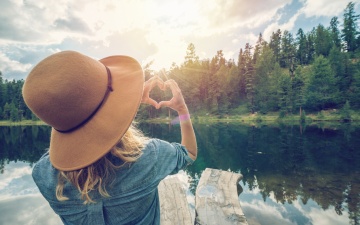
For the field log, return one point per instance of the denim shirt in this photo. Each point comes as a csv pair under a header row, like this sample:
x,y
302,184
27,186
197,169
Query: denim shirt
x,y
133,193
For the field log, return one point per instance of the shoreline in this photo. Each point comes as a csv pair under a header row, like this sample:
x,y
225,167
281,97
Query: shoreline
x,y
268,119
22,123
246,119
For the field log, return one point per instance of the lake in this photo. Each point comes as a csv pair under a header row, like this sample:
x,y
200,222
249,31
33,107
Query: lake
x,y
291,174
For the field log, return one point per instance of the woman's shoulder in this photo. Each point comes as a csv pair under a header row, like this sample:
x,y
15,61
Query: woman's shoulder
x,y
43,162
44,174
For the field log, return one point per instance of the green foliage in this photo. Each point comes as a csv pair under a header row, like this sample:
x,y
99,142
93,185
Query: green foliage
x,y
303,117
345,114
258,118
320,115
323,41
12,104
284,93
321,90
275,44
350,28
335,33
282,114
14,112
354,95
265,93
301,53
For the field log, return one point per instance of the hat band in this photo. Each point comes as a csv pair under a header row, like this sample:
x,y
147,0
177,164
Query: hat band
x,y
108,90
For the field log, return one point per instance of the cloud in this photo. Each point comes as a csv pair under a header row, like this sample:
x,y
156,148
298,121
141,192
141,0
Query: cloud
x,y
16,181
320,216
145,29
28,210
72,23
319,8
219,16
289,25
7,64
258,212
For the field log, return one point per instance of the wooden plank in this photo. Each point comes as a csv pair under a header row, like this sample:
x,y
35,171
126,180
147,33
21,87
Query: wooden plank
x,y
174,208
216,200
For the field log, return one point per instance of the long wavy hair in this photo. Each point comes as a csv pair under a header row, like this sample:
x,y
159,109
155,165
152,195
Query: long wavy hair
x,y
97,175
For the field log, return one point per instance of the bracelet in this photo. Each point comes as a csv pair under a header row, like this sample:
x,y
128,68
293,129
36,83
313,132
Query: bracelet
x,y
184,117
180,118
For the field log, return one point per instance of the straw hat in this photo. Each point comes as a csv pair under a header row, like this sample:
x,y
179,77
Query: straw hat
x,y
90,104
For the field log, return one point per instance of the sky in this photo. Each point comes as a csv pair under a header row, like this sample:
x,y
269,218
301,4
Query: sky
x,y
157,31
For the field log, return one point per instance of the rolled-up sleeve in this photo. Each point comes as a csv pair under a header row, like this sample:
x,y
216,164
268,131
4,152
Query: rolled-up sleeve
x,y
171,157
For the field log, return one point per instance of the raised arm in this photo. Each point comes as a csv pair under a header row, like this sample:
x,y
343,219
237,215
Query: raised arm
x,y
177,103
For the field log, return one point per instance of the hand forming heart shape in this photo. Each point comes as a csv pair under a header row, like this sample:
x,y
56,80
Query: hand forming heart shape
x,y
176,102
148,86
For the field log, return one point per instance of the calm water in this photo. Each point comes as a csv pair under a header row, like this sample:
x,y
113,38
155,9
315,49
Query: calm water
x,y
292,174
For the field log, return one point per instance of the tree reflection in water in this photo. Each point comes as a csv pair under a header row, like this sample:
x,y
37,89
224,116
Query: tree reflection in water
x,y
318,163
25,143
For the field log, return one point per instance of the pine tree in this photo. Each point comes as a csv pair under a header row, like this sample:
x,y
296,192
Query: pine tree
x,y
310,46
260,44
322,41
335,33
249,77
6,111
14,112
191,56
288,52
242,71
344,71
349,31
284,94
298,89
301,53
321,91
215,81
190,77
265,89
233,86
275,44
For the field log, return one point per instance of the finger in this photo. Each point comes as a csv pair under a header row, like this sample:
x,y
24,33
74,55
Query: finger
x,y
164,103
160,83
152,102
175,90
151,83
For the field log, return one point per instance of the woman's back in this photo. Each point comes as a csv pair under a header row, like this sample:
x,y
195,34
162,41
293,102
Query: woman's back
x,y
133,192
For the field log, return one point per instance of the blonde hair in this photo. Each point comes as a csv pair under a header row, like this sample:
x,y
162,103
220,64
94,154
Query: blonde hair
x,y
97,175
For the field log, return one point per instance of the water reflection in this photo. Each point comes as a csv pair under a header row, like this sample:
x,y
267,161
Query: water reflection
x,y
287,166
20,200
22,143
292,174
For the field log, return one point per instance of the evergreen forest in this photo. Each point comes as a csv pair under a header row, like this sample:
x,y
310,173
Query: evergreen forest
x,y
289,74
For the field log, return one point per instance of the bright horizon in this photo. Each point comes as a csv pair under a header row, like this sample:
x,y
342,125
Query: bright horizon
x,y
157,31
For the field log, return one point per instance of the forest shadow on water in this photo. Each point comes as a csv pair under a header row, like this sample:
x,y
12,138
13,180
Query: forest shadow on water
x,y
291,174
289,169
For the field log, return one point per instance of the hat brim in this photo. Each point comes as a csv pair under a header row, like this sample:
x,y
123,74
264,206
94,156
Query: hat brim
x,y
86,145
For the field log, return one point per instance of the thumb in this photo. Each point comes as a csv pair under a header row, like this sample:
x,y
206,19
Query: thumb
x,y
152,102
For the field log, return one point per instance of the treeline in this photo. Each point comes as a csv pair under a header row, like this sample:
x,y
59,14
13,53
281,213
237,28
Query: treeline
x,y
316,70
311,71
12,105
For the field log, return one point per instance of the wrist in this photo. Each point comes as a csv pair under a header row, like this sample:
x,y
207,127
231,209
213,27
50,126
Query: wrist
x,y
183,111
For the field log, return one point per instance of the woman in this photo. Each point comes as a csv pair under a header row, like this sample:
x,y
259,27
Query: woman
x,y
99,169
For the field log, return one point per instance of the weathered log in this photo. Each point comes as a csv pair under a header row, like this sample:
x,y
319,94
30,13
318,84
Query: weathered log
x,y
216,200
174,208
